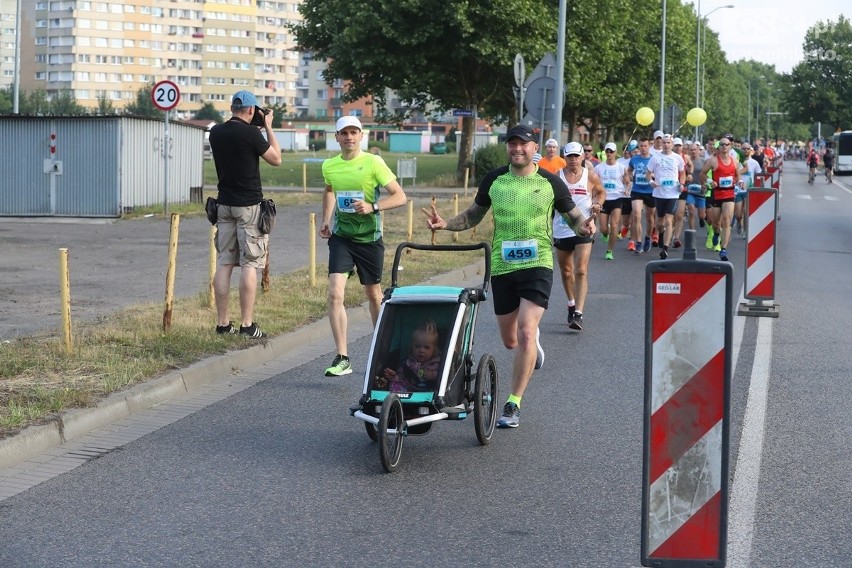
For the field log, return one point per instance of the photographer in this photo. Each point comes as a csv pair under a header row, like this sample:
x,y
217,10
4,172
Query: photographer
x,y
236,145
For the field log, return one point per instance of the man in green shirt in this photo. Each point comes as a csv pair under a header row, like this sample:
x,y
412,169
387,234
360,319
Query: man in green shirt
x,y
352,223
522,198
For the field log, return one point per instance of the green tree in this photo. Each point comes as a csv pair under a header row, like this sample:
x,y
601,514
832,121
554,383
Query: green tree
x,y
143,105
6,96
105,106
208,112
818,89
64,103
462,58
34,103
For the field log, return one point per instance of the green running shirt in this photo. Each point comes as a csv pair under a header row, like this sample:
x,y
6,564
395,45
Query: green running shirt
x,y
522,208
359,178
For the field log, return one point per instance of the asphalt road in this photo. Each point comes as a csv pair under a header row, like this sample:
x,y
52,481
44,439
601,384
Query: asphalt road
x,y
280,475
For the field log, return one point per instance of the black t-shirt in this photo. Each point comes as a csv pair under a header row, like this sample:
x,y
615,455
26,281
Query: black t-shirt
x,y
828,158
237,147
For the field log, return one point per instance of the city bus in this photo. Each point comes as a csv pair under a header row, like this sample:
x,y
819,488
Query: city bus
x,y
843,152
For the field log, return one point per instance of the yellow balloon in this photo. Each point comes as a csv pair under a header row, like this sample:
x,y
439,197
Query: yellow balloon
x,y
696,117
644,116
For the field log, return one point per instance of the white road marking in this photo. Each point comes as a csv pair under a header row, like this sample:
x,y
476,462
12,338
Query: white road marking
x,y
743,498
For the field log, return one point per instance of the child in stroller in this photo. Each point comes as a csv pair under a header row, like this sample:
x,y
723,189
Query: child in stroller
x,y
420,369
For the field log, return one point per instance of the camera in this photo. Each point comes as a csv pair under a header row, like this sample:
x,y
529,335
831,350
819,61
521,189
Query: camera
x,y
259,118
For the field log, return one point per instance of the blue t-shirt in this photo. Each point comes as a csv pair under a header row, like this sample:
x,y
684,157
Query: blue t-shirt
x,y
640,174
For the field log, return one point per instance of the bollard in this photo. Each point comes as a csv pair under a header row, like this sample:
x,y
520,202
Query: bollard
x,y
410,213
466,176
304,177
455,213
312,248
687,411
65,300
759,282
170,272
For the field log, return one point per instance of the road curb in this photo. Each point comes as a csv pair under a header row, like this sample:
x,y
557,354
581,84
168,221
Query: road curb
x,y
75,423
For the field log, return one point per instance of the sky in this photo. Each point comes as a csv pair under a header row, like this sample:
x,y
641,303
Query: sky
x,y
770,31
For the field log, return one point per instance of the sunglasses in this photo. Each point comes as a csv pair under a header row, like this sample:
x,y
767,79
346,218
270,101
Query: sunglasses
x,y
609,151
587,149
724,145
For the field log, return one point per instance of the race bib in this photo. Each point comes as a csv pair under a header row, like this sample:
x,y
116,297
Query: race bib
x,y
726,182
609,185
519,251
640,178
668,183
346,200
695,189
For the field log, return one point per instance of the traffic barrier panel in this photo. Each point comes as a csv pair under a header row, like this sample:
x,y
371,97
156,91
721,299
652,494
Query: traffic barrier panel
x,y
759,283
688,307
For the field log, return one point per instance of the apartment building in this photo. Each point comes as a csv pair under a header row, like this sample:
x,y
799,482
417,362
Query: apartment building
x,y
8,26
209,48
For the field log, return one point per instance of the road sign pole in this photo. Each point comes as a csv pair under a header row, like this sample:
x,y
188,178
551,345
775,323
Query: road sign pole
x,y
166,165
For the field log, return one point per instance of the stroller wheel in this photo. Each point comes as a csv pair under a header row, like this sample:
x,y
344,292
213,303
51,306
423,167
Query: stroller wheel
x,y
391,432
371,431
485,399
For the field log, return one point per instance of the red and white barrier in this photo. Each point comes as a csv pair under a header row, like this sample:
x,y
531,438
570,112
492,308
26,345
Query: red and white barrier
x,y
687,390
759,282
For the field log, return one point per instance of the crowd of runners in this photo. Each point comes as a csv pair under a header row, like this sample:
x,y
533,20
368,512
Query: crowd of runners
x,y
647,194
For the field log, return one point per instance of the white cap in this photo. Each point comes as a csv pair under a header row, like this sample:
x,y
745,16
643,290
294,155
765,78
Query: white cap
x,y
345,121
677,142
658,134
611,146
573,148
552,142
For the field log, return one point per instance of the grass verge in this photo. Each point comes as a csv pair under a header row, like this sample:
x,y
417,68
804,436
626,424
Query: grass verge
x,y
38,380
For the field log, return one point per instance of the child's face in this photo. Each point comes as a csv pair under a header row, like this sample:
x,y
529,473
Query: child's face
x,y
423,347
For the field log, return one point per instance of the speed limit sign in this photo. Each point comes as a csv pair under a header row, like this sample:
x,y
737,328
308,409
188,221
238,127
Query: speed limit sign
x,y
165,95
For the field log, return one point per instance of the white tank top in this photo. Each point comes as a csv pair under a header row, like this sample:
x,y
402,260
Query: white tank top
x,y
581,193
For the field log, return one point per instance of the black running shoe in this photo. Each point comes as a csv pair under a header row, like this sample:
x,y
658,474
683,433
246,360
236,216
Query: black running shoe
x,y
577,321
226,329
252,332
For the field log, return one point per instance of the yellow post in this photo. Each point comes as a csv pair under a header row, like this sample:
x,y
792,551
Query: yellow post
x,y
466,176
312,248
65,300
304,177
170,272
455,212
211,270
410,219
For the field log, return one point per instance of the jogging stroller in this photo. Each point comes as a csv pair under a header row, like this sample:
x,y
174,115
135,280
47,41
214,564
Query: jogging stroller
x,y
421,363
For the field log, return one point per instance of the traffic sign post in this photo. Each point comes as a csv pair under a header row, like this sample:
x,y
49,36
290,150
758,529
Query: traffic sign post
x,y
688,306
165,95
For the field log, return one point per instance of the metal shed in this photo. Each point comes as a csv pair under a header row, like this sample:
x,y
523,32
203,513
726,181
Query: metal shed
x,y
95,166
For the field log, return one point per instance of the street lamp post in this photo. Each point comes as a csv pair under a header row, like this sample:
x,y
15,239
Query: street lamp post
x,y
17,83
701,66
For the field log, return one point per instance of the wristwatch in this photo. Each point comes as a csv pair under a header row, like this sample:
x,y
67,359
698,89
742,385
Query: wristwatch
x,y
375,207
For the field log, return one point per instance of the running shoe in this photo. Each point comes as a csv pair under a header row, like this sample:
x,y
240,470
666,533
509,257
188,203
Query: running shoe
x,y
723,255
646,246
701,223
577,321
605,237
739,228
608,255
709,244
252,331
664,254
339,367
677,244
623,233
631,246
717,248
655,237
229,329
716,240
511,416
571,310
539,358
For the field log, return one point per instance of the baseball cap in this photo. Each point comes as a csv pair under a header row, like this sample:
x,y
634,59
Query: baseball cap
x,y
677,142
345,121
521,131
551,142
611,146
658,134
243,99
632,145
573,149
